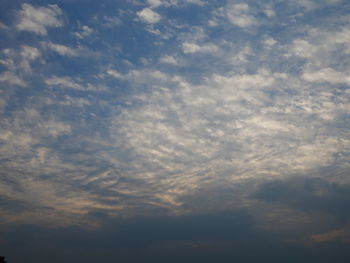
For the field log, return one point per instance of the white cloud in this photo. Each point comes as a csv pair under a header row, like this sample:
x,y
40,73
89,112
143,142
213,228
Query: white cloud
x,y
139,76
30,53
8,60
227,128
73,83
37,19
177,3
307,4
310,5
55,128
80,102
63,81
3,26
240,15
168,60
269,42
8,63
111,21
240,57
269,13
115,74
327,75
84,32
322,50
11,78
213,23
149,16
194,48
196,2
62,49
154,3
156,74
19,60
303,48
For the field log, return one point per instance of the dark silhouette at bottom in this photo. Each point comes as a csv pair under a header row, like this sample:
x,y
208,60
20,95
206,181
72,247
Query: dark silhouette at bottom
x,y
2,260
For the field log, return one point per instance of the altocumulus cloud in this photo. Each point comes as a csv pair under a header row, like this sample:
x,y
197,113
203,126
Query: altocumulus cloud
x,y
175,131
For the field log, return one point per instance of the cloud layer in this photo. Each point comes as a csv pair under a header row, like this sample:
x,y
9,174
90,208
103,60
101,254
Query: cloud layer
x,y
177,109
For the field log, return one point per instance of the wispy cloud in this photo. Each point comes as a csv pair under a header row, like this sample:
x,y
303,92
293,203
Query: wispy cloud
x,y
194,48
84,32
62,49
67,82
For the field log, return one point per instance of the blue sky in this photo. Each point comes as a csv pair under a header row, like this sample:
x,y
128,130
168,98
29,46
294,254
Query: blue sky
x,y
137,113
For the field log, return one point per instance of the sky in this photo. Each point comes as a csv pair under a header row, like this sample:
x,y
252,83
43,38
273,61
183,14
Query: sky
x,y
175,131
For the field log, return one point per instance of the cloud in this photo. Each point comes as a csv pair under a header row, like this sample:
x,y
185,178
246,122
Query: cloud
x,y
310,5
308,194
84,32
149,76
227,121
269,42
318,41
191,121
269,13
327,75
3,26
115,74
176,3
62,49
168,60
240,15
155,3
19,61
11,78
67,82
38,19
30,53
195,48
342,234
196,2
63,81
303,48
323,49
149,16
226,236
55,129
241,57
111,22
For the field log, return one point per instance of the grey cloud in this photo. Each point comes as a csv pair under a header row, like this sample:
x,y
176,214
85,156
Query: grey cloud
x,y
309,194
226,236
